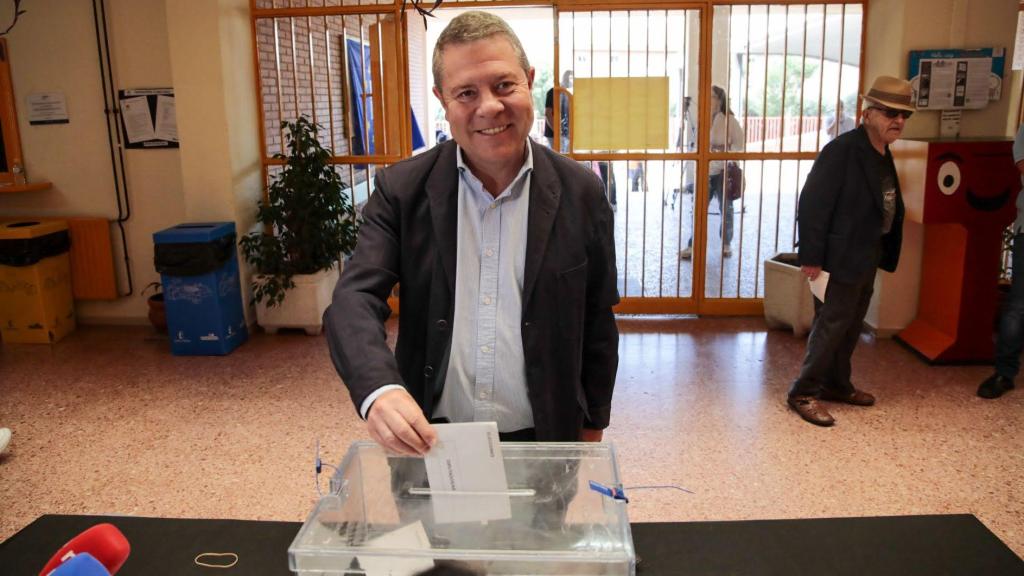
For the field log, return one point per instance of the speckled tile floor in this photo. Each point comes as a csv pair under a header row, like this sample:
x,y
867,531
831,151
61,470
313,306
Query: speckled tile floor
x,y
108,422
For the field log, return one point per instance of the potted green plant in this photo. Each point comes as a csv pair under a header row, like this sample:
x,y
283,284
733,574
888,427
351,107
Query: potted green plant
x,y
309,225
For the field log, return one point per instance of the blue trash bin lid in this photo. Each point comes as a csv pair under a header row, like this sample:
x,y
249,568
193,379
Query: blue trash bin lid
x,y
194,232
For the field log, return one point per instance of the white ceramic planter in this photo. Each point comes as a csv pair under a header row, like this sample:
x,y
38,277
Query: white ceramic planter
x,y
303,306
788,302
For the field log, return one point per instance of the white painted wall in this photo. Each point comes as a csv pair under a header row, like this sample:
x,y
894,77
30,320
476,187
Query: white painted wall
x,y
53,48
211,49
895,27
201,48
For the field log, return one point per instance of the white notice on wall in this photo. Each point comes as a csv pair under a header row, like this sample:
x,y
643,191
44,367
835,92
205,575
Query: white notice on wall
x,y
949,123
166,119
1018,44
138,122
47,108
946,83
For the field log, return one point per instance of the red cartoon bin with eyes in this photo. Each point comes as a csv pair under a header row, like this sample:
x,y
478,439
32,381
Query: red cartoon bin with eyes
x,y
964,194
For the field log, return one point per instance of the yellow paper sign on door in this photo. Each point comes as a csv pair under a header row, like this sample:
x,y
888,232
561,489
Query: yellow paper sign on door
x,y
620,113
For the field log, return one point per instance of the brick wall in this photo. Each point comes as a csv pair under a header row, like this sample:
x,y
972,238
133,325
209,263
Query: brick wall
x,y
308,76
301,70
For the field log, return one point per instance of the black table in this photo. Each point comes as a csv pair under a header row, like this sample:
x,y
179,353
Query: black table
x,y
899,545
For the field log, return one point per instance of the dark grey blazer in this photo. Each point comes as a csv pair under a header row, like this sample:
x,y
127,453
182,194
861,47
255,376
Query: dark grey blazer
x,y
409,236
841,211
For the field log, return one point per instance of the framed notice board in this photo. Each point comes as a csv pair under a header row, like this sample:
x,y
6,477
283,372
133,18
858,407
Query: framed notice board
x,y
148,119
956,79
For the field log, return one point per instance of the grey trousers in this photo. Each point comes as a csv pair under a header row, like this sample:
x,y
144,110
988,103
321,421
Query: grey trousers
x,y
834,334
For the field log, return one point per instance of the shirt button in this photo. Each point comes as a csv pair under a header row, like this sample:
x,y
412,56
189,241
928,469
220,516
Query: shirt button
x,y
428,370
487,300
483,395
489,253
485,349
442,325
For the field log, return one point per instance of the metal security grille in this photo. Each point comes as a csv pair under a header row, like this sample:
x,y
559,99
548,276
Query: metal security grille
x,y
271,4
340,65
649,187
790,73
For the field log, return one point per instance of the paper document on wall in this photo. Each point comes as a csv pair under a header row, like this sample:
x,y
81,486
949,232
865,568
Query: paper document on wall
x,y
166,119
138,122
818,285
466,473
1018,44
47,108
949,123
956,78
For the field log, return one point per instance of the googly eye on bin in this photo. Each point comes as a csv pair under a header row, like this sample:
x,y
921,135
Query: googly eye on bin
x,y
948,177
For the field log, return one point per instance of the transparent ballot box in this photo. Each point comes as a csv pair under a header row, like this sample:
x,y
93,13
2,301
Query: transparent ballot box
x,y
381,517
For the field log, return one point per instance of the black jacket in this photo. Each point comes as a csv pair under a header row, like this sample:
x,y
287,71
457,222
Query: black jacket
x,y
841,211
409,237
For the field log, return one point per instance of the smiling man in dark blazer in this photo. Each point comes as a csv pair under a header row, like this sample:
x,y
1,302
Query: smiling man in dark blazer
x,y
504,255
851,224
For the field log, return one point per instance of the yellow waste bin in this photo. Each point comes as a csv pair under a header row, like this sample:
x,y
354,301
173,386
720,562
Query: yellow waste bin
x,y
36,304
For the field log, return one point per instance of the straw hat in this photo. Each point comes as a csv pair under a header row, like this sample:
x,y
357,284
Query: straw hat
x,y
891,93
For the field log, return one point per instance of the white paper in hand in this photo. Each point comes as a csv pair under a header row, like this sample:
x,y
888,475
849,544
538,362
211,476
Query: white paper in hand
x,y
467,474
819,285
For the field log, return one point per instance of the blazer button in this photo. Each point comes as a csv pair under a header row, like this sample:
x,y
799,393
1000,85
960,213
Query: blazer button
x,y
428,370
442,325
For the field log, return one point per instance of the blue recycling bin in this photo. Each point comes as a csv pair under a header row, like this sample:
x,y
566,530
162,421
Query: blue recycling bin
x,y
198,266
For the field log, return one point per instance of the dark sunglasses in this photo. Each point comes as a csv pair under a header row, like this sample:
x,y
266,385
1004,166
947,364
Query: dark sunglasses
x,y
891,114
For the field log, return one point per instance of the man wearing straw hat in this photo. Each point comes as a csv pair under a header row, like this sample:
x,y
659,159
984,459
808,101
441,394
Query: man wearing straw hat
x,y
851,223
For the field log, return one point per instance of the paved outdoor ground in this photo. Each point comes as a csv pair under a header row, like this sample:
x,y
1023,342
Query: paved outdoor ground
x,y
652,226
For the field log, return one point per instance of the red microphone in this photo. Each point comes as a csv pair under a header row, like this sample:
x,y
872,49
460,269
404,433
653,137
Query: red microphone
x,y
103,541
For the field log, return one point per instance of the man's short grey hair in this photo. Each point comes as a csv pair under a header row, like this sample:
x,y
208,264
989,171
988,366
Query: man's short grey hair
x,y
470,27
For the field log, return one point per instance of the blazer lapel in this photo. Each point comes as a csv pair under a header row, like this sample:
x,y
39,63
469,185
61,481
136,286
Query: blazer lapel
x,y
544,199
443,191
870,168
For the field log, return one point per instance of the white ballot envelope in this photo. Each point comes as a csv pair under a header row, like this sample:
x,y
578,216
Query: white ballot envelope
x,y
408,537
466,473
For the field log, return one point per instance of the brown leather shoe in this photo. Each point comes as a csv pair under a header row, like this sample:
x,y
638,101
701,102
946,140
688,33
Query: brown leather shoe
x,y
809,409
995,386
857,397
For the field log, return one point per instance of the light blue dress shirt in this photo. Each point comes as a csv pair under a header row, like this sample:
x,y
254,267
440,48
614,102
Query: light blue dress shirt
x,y
486,375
